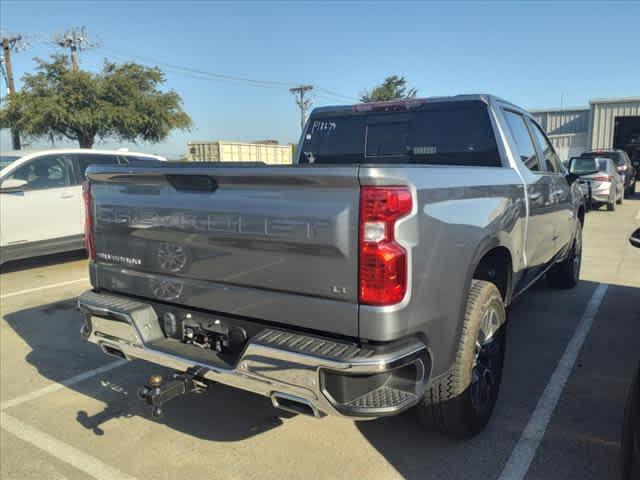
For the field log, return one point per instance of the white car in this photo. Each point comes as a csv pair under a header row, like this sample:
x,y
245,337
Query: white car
x,y
41,207
600,179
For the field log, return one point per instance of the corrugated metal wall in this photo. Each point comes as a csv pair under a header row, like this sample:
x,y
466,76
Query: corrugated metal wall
x,y
562,122
603,115
570,144
567,130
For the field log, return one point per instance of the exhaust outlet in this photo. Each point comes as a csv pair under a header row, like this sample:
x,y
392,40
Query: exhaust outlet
x,y
113,351
293,404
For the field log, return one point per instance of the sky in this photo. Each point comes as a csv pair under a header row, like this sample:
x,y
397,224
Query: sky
x,y
536,55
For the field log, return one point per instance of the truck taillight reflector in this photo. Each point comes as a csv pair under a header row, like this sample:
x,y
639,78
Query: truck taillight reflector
x,y
88,221
383,262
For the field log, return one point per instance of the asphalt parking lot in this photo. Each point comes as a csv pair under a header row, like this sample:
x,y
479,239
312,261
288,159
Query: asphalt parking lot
x,y
68,411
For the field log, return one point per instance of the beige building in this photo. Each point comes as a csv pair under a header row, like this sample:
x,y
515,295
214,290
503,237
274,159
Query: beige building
x,y
267,152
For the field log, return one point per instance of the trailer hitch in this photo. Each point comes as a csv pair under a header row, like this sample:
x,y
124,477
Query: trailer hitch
x,y
157,392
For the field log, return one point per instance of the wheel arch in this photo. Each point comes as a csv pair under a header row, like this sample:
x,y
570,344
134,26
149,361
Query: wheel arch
x,y
493,262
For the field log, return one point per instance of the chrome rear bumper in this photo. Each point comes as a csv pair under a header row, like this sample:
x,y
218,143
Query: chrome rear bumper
x,y
326,375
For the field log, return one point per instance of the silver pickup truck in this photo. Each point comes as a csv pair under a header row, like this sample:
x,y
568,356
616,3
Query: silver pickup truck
x,y
369,277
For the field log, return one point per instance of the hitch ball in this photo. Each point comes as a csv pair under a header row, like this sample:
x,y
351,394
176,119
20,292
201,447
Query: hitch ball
x,y
155,381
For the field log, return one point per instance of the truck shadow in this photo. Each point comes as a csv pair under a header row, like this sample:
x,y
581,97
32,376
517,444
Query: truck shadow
x,y
58,352
42,261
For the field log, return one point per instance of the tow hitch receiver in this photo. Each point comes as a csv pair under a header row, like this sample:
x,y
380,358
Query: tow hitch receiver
x,y
157,392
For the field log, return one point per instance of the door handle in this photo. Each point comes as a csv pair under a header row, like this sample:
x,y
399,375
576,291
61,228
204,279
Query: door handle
x,y
66,195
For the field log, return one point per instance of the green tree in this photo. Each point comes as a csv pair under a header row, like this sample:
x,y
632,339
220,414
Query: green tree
x,y
392,88
123,102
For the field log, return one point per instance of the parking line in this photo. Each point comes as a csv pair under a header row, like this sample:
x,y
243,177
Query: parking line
x,y
523,453
45,287
61,450
54,387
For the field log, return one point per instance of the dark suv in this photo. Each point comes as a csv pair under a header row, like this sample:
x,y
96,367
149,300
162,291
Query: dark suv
x,y
623,165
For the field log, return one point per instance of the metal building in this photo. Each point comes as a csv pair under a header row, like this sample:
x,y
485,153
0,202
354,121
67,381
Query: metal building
x,y
605,123
269,153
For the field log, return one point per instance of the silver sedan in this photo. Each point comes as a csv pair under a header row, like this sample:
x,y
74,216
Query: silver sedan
x,y
599,179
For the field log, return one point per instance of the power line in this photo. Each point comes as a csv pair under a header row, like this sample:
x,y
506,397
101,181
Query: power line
x,y
339,95
322,96
211,75
206,75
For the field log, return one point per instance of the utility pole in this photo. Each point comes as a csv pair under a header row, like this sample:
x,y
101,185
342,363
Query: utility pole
x,y
75,40
9,43
303,103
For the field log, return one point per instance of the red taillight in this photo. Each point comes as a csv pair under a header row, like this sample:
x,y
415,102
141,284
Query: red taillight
x,y
603,178
383,262
88,221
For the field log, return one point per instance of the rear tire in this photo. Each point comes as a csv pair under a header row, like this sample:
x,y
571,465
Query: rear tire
x,y
566,274
462,402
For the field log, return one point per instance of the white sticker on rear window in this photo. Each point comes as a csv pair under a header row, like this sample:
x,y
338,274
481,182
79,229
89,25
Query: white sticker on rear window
x,y
425,150
323,127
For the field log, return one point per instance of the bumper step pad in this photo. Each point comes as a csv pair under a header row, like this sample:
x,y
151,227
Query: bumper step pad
x,y
320,347
383,397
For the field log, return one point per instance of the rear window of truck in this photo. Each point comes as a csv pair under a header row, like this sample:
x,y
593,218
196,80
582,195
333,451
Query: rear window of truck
x,y
581,165
443,133
617,157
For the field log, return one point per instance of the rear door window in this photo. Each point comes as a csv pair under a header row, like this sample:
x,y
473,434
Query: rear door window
x,y
581,165
523,140
442,133
551,160
616,157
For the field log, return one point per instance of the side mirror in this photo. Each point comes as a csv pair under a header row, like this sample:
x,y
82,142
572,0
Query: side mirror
x,y
634,239
12,185
571,178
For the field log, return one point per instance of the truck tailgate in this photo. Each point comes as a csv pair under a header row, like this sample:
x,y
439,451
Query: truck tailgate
x,y
272,243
